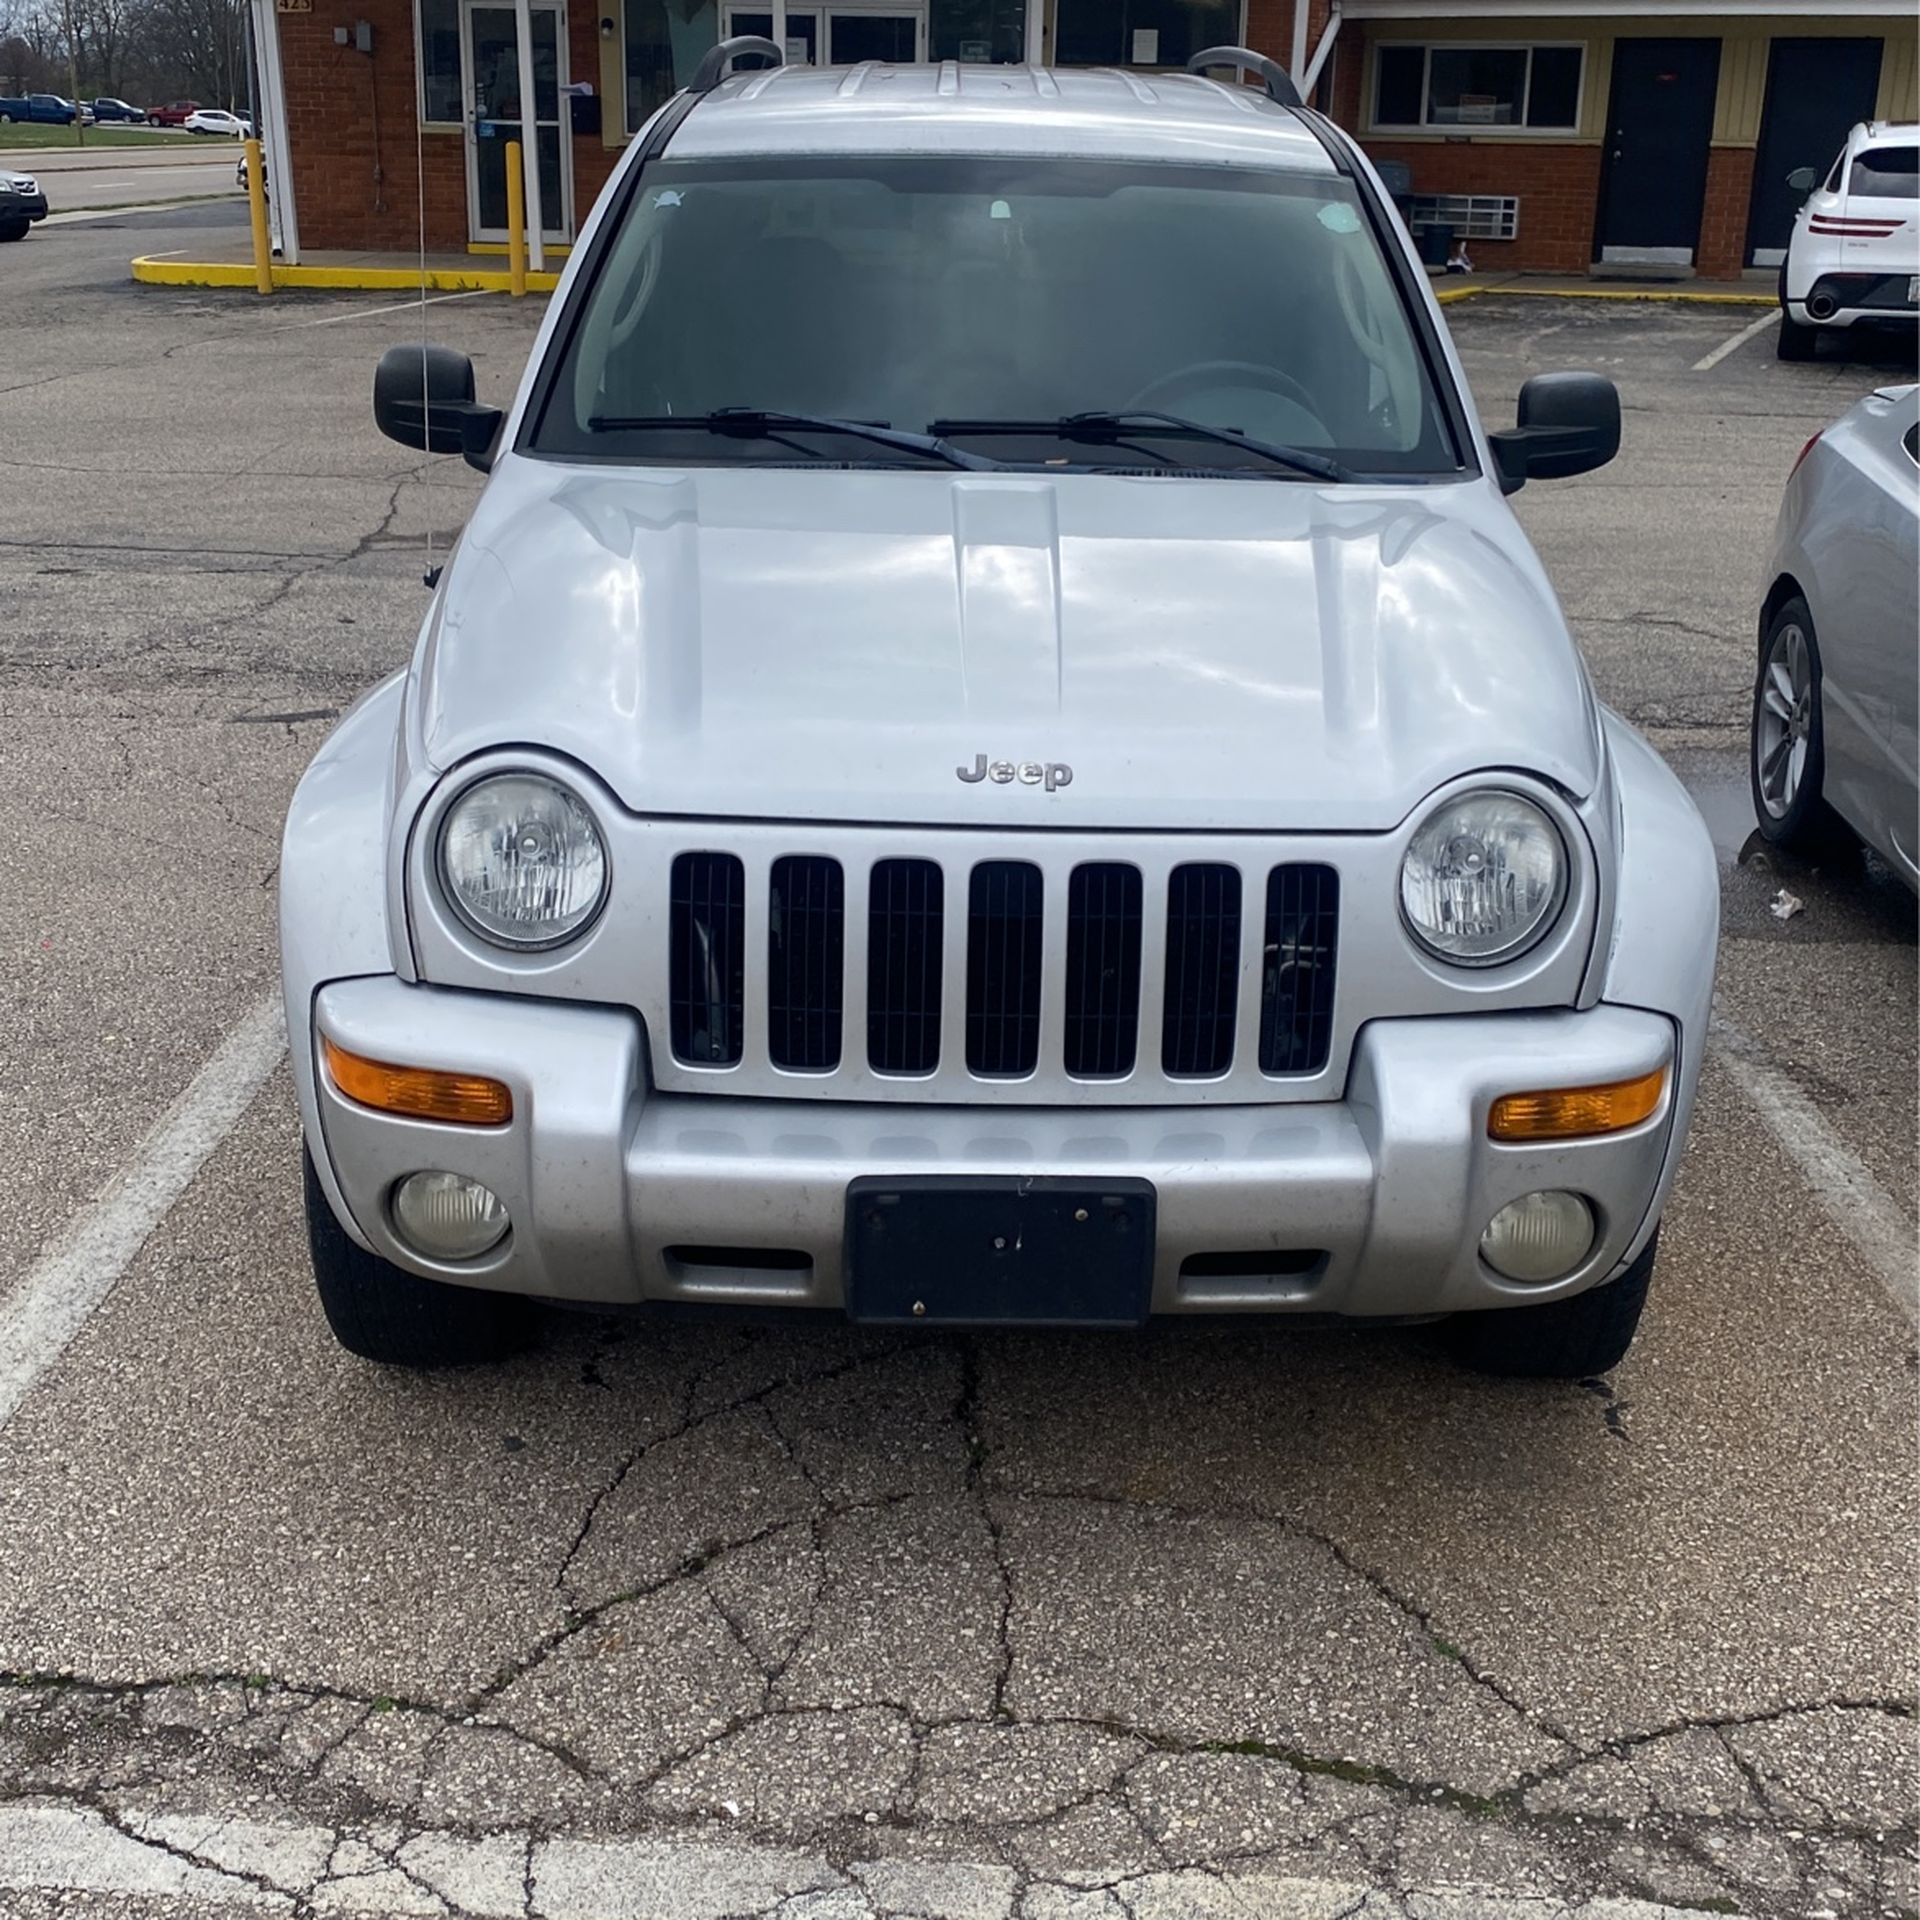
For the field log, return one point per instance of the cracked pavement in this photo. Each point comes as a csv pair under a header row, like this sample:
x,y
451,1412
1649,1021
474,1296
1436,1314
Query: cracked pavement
x,y
707,1619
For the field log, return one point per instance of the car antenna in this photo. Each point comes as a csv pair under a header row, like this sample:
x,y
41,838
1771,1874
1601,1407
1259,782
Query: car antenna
x,y
431,578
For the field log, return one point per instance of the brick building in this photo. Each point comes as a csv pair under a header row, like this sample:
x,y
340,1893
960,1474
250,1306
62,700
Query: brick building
x,y
1626,133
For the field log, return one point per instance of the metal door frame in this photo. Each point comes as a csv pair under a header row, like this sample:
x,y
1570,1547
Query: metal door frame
x,y
469,136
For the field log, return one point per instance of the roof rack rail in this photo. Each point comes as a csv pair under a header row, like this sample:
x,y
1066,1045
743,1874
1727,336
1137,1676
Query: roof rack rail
x,y
716,62
1280,87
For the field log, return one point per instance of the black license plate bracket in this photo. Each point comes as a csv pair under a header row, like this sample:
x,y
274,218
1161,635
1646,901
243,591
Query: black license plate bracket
x,y
999,1249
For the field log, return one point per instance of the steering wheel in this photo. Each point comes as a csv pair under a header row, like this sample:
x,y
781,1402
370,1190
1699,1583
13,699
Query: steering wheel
x,y
1160,395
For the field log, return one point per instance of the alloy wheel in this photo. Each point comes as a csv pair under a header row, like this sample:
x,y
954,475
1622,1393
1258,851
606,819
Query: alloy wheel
x,y
1784,725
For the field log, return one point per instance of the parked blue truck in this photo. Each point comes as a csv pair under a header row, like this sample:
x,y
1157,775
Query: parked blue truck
x,y
47,108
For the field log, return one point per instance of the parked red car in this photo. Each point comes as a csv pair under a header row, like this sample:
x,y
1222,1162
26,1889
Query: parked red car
x,y
173,114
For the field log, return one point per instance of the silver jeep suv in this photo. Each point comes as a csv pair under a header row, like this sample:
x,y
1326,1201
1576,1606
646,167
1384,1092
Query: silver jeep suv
x,y
993,752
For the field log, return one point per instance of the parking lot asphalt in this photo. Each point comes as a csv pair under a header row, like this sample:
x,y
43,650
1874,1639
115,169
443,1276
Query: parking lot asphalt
x,y
688,1619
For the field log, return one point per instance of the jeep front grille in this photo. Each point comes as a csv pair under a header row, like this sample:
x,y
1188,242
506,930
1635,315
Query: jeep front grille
x,y
1296,995
706,968
1203,971
1004,904
1049,969
806,937
905,929
1103,971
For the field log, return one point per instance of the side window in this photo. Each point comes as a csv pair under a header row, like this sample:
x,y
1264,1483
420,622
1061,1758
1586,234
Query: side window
x,y
1839,167
1911,441
1886,173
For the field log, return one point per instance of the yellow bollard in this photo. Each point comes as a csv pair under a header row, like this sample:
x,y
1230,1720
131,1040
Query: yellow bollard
x,y
516,222
257,206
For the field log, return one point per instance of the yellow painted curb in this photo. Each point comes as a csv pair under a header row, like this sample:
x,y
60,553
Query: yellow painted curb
x,y
1754,299
234,273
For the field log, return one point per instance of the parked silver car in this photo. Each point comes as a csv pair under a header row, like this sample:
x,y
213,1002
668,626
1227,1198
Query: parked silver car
x,y
1133,836
1835,733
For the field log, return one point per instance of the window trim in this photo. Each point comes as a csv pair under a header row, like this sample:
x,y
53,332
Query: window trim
x,y
1456,129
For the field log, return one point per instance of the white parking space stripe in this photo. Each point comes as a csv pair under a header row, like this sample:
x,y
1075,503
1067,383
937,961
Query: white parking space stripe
x,y
374,313
43,1313
246,1864
1711,360
1856,1203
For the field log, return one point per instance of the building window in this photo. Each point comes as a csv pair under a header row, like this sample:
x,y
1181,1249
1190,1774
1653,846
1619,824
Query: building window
x,y
1450,86
1144,33
664,42
440,103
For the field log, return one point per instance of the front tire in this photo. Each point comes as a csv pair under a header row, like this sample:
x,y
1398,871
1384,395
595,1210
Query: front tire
x,y
1571,1339
1786,737
385,1314
14,229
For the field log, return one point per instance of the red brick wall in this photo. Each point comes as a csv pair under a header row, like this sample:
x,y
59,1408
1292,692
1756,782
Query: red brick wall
x,y
1722,252
1558,185
352,122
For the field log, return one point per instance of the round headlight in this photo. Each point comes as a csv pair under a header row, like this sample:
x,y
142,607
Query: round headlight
x,y
1483,879
522,861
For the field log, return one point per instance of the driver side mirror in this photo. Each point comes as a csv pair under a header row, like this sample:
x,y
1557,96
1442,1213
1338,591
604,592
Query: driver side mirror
x,y
1804,179
423,397
1568,423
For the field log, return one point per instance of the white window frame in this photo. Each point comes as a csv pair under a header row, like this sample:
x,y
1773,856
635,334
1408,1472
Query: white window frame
x,y
1492,131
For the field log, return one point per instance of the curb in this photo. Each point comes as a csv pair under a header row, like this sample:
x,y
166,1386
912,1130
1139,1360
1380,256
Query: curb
x,y
233,273
1757,298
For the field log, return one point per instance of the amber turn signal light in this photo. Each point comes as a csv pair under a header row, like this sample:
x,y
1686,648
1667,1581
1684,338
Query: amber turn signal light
x,y
421,1093
1571,1113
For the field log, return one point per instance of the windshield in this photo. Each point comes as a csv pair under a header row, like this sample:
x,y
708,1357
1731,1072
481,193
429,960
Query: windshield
x,y
992,293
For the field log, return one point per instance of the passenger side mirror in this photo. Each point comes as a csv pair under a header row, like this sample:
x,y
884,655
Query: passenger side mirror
x,y
1568,423
423,397
1804,179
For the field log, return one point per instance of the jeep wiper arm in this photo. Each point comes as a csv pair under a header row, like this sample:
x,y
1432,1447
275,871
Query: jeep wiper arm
x,y
1110,428
753,423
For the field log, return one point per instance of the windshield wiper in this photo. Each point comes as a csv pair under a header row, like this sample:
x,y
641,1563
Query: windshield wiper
x,y
1110,428
757,423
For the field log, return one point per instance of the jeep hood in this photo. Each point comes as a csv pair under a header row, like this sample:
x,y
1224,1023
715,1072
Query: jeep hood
x,y
835,646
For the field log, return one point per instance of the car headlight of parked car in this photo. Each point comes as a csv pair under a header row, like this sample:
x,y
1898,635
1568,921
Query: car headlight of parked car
x,y
1483,879
522,862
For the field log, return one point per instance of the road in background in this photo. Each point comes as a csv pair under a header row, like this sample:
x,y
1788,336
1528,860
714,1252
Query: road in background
x,y
80,177
693,1619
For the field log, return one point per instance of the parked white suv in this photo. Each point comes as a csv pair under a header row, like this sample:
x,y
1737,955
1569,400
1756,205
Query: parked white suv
x,y
992,751
1854,258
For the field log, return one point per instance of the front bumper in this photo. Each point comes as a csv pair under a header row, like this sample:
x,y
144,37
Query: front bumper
x,y
1371,1205
23,206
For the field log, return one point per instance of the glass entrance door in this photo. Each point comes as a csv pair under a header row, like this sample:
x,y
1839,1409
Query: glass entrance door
x,y
841,36
863,34
803,31
491,59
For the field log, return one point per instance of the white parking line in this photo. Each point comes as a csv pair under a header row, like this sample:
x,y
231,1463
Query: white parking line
x,y
373,313
1711,360
44,1312
246,1864
1842,1187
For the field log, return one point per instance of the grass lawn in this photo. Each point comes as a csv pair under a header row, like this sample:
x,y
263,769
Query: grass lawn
x,y
21,134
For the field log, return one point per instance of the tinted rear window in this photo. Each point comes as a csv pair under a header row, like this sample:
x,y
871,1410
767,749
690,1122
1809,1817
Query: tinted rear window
x,y
1886,173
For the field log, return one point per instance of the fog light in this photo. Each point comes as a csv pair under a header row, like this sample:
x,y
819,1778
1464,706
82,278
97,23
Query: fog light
x,y
1538,1237
447,1216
